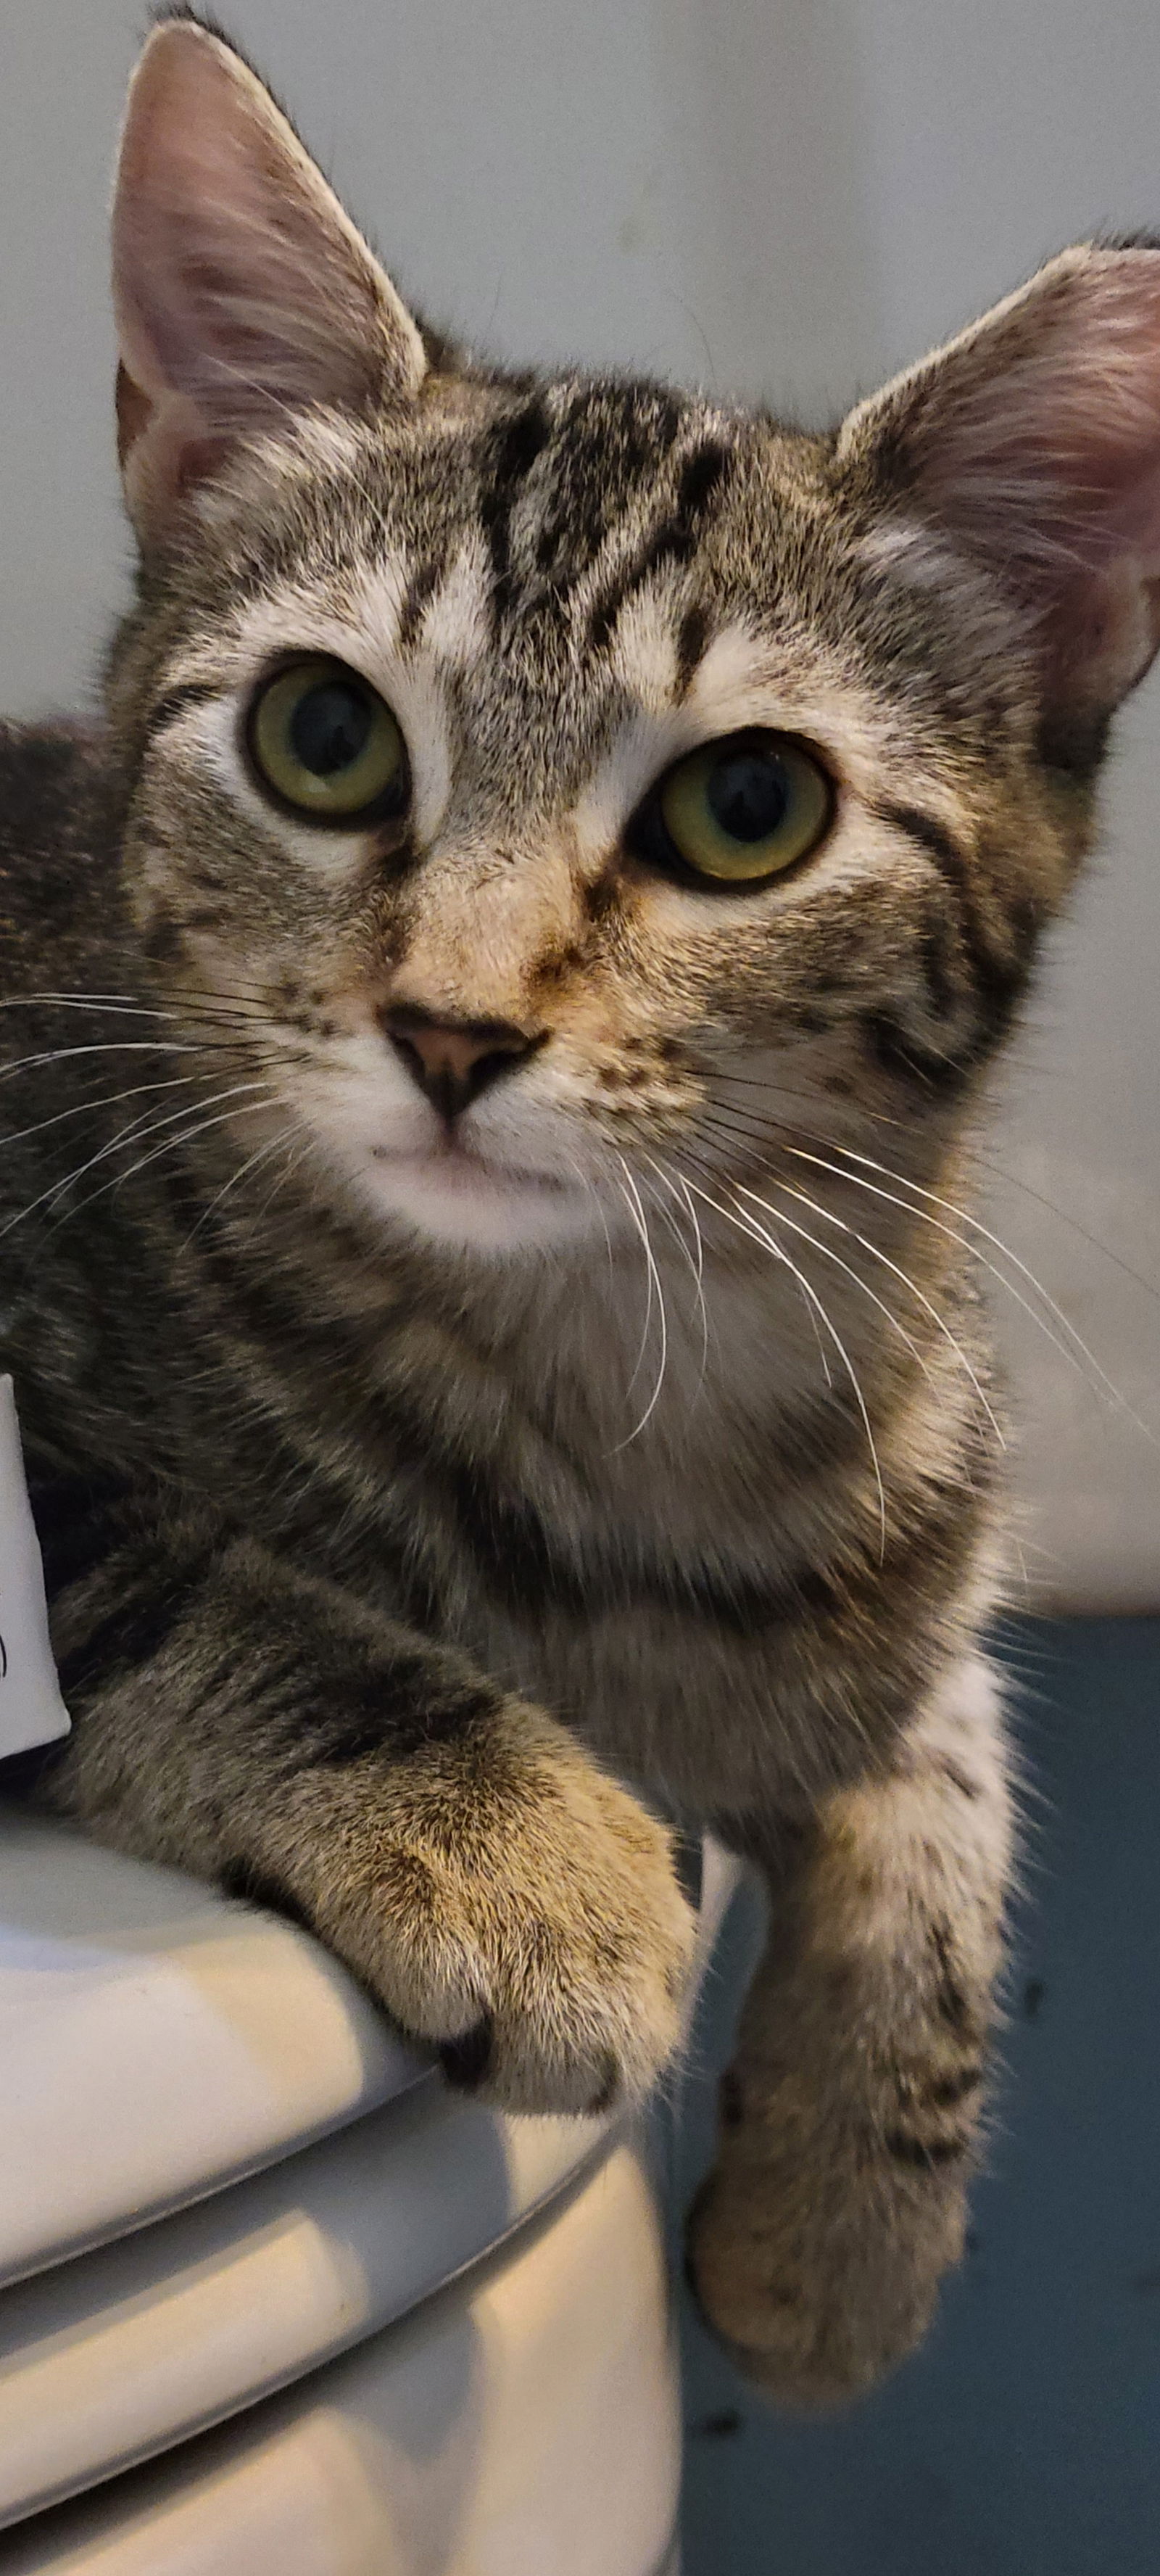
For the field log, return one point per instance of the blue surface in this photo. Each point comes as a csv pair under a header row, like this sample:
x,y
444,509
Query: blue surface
x,y
1024,2440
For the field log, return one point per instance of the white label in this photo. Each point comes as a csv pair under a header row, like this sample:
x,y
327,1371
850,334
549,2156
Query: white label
x,y
31,1708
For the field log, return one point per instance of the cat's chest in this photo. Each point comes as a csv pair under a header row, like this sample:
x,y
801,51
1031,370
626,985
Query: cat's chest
x,y
656,1623
691,1700
643,1585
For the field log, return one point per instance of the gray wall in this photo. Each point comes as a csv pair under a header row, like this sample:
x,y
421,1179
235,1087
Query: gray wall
x,y
787,198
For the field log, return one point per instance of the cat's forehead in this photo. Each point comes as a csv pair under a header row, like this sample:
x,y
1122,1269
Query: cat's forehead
x,y
540,510
558,587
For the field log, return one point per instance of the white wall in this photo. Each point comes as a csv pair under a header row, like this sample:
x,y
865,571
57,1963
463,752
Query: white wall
x,y
786,196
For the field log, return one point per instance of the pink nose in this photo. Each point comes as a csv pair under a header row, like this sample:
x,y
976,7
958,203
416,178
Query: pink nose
x,y
454,1060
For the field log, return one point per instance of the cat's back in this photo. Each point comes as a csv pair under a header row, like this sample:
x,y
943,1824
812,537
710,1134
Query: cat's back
x,y
64,949
58,856
74,1291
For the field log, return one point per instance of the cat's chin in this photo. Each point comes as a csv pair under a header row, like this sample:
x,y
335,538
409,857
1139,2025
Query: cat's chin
x,y
473,1205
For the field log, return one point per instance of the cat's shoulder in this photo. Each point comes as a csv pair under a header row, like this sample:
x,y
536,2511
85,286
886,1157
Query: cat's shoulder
x,y
51,776
59,832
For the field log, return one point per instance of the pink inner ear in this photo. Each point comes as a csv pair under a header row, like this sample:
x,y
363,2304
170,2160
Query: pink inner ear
x,y
1047,459
243,292
229,288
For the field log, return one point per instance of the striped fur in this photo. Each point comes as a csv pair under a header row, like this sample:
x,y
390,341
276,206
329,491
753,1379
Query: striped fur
x,y
424,1545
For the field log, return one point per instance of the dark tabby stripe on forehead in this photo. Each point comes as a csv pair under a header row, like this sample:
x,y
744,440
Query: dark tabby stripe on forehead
x,y
614,442
673,540
602,451
693,636
419,594
519,442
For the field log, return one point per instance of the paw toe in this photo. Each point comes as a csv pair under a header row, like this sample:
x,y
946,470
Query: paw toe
x,y
466,2062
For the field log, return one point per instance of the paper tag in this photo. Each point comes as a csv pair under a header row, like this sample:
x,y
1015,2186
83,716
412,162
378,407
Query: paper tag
x,y
31,1708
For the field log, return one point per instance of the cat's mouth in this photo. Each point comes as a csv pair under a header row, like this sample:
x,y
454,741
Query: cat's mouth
x,y
454,1194
451,1164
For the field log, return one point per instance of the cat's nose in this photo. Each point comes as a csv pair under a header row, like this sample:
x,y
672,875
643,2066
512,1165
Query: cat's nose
x,y
454,1060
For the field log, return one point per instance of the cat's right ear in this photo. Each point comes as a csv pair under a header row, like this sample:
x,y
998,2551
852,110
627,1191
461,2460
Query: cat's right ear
x,y
244,295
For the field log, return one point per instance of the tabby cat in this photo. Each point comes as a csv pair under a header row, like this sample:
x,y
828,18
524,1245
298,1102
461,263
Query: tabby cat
x,y
495,1021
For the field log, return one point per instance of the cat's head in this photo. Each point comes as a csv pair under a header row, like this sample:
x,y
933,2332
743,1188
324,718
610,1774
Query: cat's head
x,y
566,785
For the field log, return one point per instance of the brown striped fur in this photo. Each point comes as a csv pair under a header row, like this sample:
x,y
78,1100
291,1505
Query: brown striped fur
x,y
428,1538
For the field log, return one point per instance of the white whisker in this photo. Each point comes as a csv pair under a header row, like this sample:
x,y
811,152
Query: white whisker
x,y
109,1046
828,1254
747,1224
978,1228
253,1163
829,1218
172,1144
695,1260
60,1188
108,1100
635,1206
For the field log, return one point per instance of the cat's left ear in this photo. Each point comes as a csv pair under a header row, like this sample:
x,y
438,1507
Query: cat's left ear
x,y
244,294
1032,443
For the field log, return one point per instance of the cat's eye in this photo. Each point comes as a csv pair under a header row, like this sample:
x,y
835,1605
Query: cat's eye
x,y
327,745
737,812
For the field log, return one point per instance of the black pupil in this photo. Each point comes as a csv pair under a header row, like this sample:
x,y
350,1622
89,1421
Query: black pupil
x,y
747,794
330,727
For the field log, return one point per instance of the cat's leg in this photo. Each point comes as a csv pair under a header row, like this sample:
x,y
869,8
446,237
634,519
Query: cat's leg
x,y
503,1897
850,2117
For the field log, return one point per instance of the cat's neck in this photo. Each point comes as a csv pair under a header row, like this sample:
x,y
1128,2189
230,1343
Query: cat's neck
x,y
672,1391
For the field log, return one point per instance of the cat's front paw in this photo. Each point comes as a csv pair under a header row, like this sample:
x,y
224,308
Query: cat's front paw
x,y
515,1908
819,2283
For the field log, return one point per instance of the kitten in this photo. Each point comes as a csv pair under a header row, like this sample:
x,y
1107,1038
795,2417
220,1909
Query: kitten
x,y
497,1018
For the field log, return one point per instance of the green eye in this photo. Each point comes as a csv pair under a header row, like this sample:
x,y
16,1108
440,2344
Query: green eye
x,y
739,811
322,738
